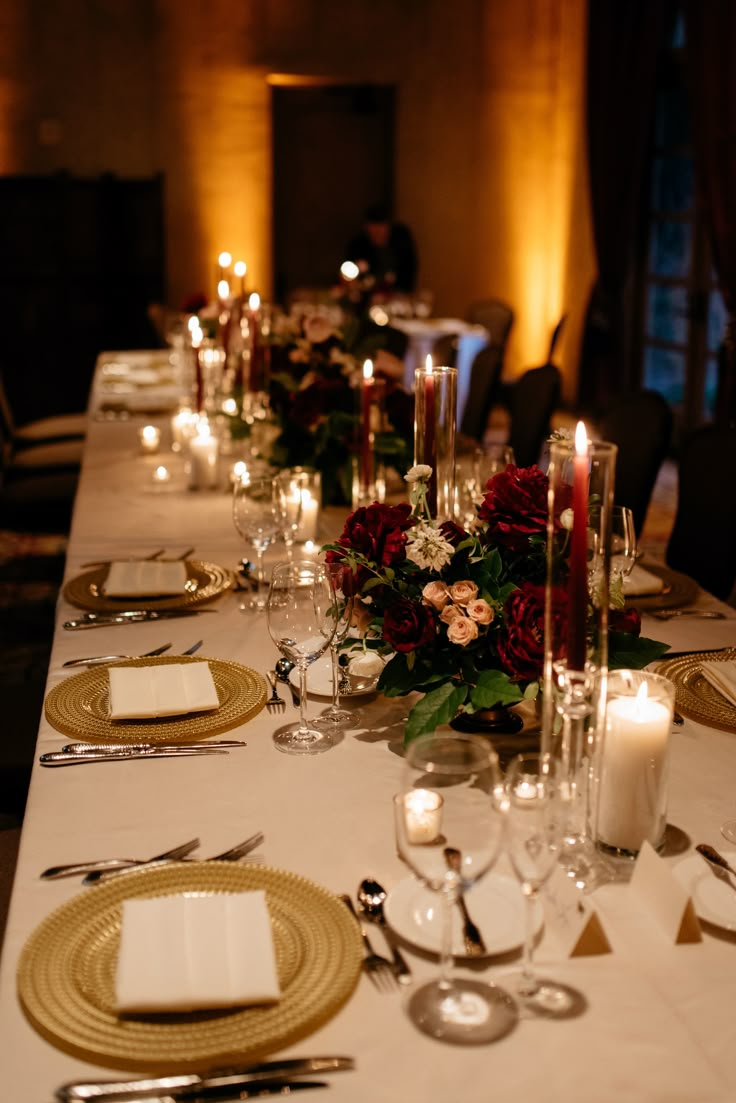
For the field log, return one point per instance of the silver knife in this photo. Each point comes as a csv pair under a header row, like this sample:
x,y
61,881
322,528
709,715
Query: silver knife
x,y
131,616
59,758
191,1084
92,748
101,660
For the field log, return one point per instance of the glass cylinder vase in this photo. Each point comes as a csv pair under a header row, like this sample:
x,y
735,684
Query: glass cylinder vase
x,y
369,476
435,414
580,503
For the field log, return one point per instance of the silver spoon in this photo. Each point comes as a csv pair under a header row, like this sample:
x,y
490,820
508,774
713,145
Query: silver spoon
x,y
371,896
702,614
716,860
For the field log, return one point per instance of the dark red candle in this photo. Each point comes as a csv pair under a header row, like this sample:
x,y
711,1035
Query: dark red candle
x,y
366,404
578,590
430,443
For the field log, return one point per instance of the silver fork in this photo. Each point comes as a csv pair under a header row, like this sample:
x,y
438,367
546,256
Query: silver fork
x,y
119,864
379,969
274,702
232,854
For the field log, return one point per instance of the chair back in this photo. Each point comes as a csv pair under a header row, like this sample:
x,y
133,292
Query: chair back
x,y
641,425
444,350
7,421
531,402
485,376
703,539
496,316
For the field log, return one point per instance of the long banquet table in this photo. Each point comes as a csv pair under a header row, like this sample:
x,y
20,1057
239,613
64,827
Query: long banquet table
x,y
660,1025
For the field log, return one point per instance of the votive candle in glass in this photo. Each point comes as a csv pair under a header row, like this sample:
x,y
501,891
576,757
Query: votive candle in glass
x,y
150,439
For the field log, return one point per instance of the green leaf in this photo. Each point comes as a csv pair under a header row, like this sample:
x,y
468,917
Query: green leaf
x,y
633,652
434,709
396,679
494,688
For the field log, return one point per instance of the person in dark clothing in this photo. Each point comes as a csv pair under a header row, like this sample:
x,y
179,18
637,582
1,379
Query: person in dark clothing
x,y
385,250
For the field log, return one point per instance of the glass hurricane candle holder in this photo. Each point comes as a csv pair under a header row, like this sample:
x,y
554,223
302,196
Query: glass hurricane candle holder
x,y
580,502
369,477
435,414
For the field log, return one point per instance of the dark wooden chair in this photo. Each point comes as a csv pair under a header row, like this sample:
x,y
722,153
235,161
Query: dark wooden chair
x,y
703,539
641,425
532,400
496,316
485,376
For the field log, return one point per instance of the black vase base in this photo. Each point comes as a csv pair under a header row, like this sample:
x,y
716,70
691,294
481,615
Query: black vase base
x,y
488,722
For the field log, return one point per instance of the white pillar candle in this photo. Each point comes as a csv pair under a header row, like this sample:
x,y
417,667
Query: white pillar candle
x,y
632,794
150,438
203,459
182,426
422,816
307,527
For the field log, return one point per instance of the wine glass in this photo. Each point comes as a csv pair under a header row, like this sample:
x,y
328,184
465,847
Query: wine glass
x,y
336,572
257,517
452,800
489,461
535,812
623,542
728,830
302,617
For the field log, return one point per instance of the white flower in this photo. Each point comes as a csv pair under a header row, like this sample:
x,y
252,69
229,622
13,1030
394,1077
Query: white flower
x,y
368,664
561,435
420,471
566,518
427,547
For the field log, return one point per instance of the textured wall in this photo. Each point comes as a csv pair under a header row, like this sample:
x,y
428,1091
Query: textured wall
x,y
489,158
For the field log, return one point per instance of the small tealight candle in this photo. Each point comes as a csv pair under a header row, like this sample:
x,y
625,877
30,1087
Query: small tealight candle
x,y
161,476
310,549
422,816
307,528
150,438
229,407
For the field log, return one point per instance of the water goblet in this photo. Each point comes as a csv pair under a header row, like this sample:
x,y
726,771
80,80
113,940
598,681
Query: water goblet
x,y
336,572
452,797
302,618
257,517
535,812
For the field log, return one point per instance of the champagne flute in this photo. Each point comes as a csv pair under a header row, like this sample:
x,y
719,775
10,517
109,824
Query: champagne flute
x,y
302,618
257,517
452,797
536,796
336,573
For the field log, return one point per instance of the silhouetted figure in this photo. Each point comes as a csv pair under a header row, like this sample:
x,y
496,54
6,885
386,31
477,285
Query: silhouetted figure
x,y
385,250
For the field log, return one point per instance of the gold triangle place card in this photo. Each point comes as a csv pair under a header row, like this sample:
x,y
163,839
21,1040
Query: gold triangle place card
x,y
573,923
667,901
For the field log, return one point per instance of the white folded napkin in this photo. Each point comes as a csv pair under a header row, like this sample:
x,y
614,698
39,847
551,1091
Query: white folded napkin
x,y
183,953
641,582
136,578
722,676
171,689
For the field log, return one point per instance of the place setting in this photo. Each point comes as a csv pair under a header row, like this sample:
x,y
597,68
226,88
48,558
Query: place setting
x,y
705,682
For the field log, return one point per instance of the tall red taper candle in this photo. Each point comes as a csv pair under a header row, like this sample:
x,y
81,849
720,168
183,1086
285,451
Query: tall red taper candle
x,y
366,403
430,446
578,592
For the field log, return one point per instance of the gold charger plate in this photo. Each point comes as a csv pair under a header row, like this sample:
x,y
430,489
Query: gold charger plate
x,y
696,697
679,589
66,973
80,706
205,581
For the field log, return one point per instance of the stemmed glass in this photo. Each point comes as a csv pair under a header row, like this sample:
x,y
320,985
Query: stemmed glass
x,y
535,810
452,798
728,830
257,517
624,551
336,573
302,617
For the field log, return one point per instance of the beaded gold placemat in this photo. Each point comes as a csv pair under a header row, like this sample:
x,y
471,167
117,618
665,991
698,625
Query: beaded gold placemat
x,y
66,973
80,706
696,697
205,581
679,589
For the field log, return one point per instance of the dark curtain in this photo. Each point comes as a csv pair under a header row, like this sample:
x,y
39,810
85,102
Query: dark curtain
x,y
623,42
711,51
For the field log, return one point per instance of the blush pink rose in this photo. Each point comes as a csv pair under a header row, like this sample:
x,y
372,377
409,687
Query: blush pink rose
x,y
317,329
480,611
463,592
436,595
450,613
462,631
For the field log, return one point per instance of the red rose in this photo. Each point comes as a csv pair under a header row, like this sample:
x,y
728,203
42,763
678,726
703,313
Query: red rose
x,y
521,643
453,532
625,620
379,533
515,507
408,625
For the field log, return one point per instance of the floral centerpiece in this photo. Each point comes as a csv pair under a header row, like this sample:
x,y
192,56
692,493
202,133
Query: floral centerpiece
x,y
315,360
461,610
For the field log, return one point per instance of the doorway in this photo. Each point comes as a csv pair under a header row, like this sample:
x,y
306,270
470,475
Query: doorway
x,y
333,155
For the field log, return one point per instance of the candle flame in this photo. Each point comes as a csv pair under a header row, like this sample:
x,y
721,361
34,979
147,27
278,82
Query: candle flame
x,y
581,439
224,260
254,301
193,323
642,696
368,369
223,289
197,335
428,365
349,270
240,268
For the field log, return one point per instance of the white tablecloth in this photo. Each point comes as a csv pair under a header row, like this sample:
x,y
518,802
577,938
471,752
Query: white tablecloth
x,y
660,1026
